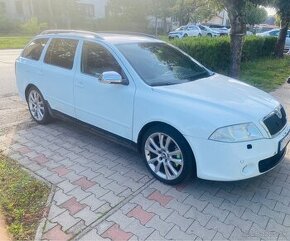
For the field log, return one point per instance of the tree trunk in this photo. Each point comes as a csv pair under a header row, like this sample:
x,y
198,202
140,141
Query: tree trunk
x,y
236,10
156,26
164,25
180,14
237,41
280,45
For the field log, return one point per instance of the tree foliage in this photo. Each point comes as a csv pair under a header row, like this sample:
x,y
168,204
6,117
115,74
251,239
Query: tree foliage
x,y
195,10
237,14
126,15
283,10
255,14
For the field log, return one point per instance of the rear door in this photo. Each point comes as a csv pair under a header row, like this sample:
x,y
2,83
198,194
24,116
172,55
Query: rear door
x,y
58,74
203,30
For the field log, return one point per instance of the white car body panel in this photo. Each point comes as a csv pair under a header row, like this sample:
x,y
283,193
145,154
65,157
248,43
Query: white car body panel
x,y
196,109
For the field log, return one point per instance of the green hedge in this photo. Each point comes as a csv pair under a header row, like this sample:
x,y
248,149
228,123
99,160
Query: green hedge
x,y
214,53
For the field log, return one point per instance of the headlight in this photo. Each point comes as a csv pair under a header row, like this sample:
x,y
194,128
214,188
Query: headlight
x,y
237,133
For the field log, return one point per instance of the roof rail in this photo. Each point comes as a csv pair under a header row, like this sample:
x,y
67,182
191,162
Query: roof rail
x,y
129,33
60,31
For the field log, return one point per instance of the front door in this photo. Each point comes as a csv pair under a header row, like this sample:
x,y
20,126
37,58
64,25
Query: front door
x,y
107,106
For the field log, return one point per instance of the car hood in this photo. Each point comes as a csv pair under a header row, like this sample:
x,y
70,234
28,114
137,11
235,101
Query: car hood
x,y
222,96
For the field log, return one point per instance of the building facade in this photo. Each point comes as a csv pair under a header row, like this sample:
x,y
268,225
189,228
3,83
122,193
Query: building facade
x,y
24,9
95,9
221,18
17,9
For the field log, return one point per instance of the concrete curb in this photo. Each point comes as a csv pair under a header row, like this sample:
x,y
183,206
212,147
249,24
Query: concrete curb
x,y
41,226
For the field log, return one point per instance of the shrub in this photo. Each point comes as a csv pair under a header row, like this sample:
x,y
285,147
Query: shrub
x,y
214,53
258,47
8,26
33,26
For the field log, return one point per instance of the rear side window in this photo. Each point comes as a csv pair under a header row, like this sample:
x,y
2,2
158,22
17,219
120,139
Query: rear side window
x,y
61,53
96,59
34,49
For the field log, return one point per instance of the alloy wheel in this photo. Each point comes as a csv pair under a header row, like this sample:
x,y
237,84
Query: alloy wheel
x,y
36,105
164,156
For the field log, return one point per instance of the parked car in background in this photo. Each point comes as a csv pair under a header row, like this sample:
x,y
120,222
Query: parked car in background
x,y
222,30
207,31
275,33
248,33
185,31
183,118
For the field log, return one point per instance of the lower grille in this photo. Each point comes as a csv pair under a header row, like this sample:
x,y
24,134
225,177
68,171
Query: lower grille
x,y
269,163
276,121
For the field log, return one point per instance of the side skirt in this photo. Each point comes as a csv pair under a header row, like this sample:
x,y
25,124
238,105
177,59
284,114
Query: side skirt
x,y
93,129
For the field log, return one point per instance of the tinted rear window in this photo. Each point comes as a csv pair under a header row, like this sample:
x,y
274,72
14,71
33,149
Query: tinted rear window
x,y
34,49
61,53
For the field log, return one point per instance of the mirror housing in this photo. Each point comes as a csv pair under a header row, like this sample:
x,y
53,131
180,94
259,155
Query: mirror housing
x,y
111,77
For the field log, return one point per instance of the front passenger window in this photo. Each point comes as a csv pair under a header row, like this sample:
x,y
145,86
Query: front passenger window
x,y
96,59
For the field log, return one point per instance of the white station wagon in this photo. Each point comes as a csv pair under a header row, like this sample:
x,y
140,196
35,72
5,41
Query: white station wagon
x,y
184,118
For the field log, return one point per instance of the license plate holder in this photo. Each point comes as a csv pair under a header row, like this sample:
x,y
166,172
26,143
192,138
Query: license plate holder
x,y
284,142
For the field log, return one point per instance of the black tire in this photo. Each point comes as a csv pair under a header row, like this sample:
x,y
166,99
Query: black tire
x,y
209,35
199,35
46,114
188,168
185,35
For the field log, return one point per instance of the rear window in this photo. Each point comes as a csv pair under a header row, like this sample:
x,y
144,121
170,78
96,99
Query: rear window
x,y
61,53
34,49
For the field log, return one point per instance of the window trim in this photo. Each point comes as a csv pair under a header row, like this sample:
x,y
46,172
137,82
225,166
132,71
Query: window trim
x,y
126,80
75,55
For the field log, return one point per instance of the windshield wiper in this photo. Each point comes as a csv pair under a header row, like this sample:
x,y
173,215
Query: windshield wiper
x,y
198,76
162,83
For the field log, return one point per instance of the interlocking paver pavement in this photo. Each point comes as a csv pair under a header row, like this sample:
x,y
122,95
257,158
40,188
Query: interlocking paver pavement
x,y
104,192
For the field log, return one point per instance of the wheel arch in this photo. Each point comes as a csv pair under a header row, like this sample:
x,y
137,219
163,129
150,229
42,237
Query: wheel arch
x,y
154,123
28,87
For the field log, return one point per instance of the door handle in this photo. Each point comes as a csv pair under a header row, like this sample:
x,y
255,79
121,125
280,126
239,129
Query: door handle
x,y
80,84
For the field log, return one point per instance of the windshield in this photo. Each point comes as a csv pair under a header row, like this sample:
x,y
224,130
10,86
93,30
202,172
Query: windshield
x,y
160,64
180,28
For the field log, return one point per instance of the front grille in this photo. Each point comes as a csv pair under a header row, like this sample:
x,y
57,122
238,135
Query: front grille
x,y
269,163
276,121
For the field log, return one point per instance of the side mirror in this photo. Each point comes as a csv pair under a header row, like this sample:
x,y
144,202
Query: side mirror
x,y
111,77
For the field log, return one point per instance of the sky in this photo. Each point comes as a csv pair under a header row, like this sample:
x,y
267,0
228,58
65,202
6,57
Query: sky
x,y
271,11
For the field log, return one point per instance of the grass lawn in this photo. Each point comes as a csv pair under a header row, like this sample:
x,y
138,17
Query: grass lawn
x,y
22,199
266,74
17,42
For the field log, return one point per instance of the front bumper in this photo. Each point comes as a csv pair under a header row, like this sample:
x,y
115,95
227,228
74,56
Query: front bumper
x,y
173,35
221,161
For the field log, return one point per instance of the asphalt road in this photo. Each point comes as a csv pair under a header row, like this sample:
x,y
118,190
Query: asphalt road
x,y
7,72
